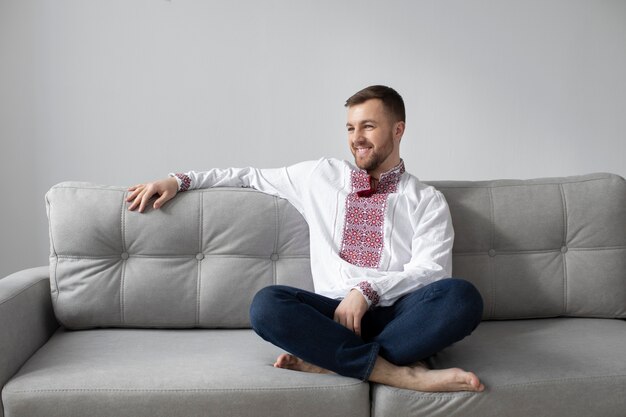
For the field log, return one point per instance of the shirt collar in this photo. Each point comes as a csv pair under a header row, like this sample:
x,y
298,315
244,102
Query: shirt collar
x,y
387,181
393,175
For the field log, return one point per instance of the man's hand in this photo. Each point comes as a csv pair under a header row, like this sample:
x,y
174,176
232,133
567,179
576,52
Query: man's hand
x,y
141,194
351,310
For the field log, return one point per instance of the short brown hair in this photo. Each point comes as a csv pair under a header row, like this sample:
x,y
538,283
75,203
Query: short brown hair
x,y
392,101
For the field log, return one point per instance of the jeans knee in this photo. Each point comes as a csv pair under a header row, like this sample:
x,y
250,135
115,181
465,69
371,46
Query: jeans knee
x,y
263,304
468,297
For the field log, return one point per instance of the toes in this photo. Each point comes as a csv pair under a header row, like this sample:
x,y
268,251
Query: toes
x,y
286,361
281,361
475,383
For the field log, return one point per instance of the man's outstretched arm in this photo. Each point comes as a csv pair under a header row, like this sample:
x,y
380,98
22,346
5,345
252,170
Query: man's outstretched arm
x,y
287,182
141,194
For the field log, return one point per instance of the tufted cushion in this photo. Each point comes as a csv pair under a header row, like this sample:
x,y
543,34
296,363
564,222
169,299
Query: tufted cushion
x,y
534,248
196,262
542,248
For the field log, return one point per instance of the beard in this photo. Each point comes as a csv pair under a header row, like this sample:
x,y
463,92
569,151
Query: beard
x,y
375,158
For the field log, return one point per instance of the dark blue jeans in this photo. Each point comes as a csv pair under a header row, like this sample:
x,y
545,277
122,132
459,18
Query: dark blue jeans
x,y
416,327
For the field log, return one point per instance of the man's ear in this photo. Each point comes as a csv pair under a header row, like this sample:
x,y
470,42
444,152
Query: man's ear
x,y
398,130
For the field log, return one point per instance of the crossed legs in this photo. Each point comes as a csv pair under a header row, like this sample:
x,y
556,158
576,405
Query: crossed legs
x,y
394,338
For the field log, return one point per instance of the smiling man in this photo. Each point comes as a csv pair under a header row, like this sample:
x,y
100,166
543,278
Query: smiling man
x,y
381,259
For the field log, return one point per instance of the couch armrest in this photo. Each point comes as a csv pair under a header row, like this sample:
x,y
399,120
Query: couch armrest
x,y
26,318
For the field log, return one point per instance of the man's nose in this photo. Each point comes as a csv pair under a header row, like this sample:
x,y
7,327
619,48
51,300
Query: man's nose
x,y
359,141
358,133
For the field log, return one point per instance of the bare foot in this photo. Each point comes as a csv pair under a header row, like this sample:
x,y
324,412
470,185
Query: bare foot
x,y
287,361
421,378
417,378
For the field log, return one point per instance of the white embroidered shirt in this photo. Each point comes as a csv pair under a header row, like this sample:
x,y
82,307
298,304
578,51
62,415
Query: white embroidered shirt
x,y
384,243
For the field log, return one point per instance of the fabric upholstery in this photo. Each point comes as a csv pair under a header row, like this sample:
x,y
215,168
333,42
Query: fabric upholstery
x,y
196,262
534,248
26,318
153,373
551,367
542,248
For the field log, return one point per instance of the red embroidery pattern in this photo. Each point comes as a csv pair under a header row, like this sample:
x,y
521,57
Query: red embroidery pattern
x,y
185,182
363,233
369,292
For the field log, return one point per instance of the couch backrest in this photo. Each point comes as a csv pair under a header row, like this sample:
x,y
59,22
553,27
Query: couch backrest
x,y
542,248
196,262
534,248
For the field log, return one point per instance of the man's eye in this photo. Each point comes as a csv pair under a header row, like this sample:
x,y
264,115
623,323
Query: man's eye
x,y
350,129
369,126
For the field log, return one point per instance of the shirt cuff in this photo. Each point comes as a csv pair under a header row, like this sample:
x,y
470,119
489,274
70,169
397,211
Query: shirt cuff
x,y
370,294
183,180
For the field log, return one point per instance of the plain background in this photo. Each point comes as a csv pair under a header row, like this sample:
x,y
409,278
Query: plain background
x,y
119,92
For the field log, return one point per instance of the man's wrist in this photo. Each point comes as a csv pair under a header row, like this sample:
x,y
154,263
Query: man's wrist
x,y
183,181
369,293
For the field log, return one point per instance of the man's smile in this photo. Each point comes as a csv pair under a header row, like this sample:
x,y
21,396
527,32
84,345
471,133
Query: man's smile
x,y
362,150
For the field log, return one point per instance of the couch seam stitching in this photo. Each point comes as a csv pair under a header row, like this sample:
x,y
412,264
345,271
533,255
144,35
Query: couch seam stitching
x,y
56,283
123,272
53,247
23,290
187,390
563,254
491,258
187,256
607,177
557,380
276,239
199,278
540,251
499,387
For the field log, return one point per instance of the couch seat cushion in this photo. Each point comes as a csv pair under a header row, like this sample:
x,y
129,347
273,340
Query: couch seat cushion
x,y
548,367
133,372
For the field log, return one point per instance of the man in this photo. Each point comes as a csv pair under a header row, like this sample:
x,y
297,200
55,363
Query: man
x,y
381,246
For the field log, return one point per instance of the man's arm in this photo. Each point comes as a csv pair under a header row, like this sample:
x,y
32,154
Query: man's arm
x,y
287,182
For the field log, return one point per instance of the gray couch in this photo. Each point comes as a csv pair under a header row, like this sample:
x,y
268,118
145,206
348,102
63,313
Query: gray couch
x,y
147,314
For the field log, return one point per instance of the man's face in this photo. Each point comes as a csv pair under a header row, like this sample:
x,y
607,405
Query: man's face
x,y
372,137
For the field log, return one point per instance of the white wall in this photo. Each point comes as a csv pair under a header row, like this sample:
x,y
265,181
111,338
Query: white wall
x,y
120,91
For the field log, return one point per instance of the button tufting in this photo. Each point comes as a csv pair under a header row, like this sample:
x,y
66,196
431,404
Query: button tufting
x,y
492,252
563,249
200,256
124,255
274,257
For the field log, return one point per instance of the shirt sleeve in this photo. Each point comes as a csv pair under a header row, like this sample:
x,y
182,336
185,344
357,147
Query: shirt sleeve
x,y
431,257
288,182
